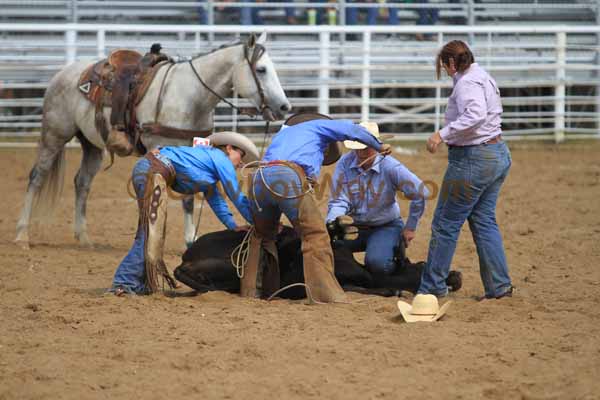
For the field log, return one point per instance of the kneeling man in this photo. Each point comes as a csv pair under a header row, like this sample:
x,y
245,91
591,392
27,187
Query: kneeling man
x,y
364,187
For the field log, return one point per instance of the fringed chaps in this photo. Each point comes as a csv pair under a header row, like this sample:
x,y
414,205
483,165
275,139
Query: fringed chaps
x,y
316,250
153,217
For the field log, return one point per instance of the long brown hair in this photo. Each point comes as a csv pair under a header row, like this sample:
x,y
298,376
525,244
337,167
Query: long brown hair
x,y
459,52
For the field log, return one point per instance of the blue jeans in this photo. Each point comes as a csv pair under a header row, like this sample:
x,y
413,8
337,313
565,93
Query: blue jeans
x,y
202,19
379,243
250,15
130,275
267,206
469,192
427,16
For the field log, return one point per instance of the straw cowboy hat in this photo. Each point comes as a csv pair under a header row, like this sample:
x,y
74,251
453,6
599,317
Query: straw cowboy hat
x,y
424,308
373,129
236,140
333,151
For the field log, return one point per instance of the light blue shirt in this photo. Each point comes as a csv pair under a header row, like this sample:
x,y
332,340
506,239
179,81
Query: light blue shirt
x,y
370,196
305,143
198,169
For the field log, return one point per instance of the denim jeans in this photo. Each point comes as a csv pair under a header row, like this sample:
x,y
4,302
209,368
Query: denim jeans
x,y
427,16
130,274
469,192
379,243
250,15
268,206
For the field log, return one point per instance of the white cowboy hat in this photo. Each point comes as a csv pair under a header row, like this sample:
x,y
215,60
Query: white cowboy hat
x,y
424,308
373,129
236,140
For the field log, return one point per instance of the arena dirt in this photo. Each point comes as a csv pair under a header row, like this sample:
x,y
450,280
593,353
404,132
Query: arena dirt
x,y
61,338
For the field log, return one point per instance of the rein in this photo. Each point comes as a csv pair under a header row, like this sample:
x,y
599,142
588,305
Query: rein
x,y
252,59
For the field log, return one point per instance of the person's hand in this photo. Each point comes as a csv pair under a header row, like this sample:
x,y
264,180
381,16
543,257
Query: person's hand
x,y
386,149
408,236
242,228
433,142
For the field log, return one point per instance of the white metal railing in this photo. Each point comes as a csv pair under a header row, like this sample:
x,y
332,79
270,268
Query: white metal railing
x,y
334,75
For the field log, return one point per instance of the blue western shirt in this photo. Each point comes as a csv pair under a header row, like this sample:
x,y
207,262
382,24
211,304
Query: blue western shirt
x,y
370,196
198,169
305,143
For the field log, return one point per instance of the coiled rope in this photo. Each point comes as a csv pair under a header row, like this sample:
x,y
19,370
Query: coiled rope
x,y
239,255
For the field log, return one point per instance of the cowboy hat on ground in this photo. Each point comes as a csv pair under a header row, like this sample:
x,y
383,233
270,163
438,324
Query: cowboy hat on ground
x,y
236,140
424,308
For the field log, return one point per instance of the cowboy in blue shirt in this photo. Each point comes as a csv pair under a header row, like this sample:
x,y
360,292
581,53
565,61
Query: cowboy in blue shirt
x,y
283,184
185,170
364,187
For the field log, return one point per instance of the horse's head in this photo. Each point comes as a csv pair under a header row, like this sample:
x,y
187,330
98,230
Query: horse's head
x,y
257,80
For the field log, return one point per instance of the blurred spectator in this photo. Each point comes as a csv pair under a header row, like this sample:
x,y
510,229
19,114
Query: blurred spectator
x,y
427,16
372,13
317,15
251,15
202,20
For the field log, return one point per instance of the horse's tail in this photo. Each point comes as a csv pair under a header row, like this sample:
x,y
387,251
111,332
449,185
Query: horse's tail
x,y
52,183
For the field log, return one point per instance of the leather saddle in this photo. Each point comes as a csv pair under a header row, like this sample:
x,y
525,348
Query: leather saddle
x,y
120,82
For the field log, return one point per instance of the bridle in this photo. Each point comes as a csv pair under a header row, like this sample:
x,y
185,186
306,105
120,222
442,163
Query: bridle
x,y
252,58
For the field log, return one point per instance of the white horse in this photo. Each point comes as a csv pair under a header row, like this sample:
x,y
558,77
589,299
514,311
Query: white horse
x,y
186,103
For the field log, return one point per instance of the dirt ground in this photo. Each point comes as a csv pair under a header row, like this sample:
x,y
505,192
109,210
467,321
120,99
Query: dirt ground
x,y
61,338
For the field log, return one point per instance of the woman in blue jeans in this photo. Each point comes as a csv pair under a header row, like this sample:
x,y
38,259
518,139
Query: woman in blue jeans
x,y
478,163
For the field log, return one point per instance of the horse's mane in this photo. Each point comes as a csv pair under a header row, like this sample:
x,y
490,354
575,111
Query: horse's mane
x,y
221,47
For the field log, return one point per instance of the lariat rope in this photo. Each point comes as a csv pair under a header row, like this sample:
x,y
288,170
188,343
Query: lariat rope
x,y
239,255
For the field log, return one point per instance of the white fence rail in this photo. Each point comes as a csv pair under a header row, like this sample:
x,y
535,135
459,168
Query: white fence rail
x,y
549,75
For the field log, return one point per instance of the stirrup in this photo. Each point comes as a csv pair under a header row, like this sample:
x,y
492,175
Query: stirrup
x,y
119,143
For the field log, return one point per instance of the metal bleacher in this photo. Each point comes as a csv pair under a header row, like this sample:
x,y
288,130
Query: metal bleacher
x,y
186,11
548,72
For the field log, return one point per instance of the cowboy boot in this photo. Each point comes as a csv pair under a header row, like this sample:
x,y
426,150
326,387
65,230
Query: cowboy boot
x,y
118,142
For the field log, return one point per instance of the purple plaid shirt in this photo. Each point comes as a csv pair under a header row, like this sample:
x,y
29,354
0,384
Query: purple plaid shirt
x,y
474,109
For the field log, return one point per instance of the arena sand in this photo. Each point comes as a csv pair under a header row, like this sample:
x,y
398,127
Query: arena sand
x,y
61,338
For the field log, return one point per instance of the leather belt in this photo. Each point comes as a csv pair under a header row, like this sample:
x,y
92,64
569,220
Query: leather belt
x,y
494,140
166,170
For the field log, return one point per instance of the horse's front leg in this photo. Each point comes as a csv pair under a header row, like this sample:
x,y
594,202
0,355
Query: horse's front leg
x,y
189,230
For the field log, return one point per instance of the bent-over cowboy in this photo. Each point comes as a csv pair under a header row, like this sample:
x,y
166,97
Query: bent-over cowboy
x,y
185,170
283,184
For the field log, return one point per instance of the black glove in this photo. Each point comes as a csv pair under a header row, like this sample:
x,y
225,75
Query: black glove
x,y
342,228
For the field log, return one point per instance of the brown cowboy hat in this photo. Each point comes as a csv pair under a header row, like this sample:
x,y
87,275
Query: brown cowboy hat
x,y
334,149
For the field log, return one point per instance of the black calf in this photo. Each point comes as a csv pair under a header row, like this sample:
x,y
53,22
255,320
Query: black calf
x,y
206,266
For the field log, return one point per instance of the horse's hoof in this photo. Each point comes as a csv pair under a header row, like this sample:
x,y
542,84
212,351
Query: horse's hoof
x,y
23,244
22,239
85,242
